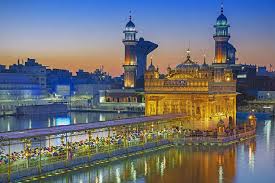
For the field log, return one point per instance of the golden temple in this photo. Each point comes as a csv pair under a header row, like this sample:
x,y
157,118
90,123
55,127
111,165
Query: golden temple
x,y
205,94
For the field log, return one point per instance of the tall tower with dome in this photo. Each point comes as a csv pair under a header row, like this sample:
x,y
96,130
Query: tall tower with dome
x,y
130,61
224,51
131,96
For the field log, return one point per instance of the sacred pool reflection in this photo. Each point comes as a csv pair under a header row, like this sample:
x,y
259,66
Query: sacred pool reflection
x,y
249,161
182,164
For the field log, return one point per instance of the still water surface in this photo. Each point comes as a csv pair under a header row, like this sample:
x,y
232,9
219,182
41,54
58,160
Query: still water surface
x,y
250,161
13,123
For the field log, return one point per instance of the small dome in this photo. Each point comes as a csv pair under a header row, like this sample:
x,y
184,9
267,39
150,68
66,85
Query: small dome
x,y
141,39
222,20
130,24
151,67
188,63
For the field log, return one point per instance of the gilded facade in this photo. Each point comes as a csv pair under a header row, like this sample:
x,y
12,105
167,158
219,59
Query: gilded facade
x,y
204,94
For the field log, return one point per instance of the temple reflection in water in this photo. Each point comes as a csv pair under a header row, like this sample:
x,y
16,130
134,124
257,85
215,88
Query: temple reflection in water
x,y
203,164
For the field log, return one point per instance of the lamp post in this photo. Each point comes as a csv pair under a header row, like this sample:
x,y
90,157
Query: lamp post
x,y
89,142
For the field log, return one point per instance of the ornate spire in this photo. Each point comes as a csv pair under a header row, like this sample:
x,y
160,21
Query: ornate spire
x,y
188,53
222,7
204,59
151,66
130,15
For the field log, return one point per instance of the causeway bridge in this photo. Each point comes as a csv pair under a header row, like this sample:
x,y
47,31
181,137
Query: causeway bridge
x,y
37,152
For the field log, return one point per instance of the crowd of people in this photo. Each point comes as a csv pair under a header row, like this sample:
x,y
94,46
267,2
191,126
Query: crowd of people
x,y
89,144
95,143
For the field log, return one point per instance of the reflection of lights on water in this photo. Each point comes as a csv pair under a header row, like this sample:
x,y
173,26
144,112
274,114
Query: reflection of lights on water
x,y
267,130
118,175
62,121
80,181
157,163
161,169
30,124
133,172
101,117
99,178
220,174
251,157
145,167
74,120
96,179
87,121
180,158
162,166
49,122
9,128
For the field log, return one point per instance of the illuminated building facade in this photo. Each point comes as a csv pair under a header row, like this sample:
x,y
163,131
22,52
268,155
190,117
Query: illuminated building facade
x,y
249,82
130,61
224,51
23,81
203,93
136,52
131,96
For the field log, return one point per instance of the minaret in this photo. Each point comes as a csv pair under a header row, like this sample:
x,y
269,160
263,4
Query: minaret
x,y
130,62
221,38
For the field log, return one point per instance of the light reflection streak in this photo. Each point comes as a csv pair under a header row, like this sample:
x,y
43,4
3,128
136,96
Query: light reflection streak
x,y
251,157
145,168
30,124
9,126
118,180
162,166
100,177
96,179
102,117
49,122
133,172
267,131
157,164
220,174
